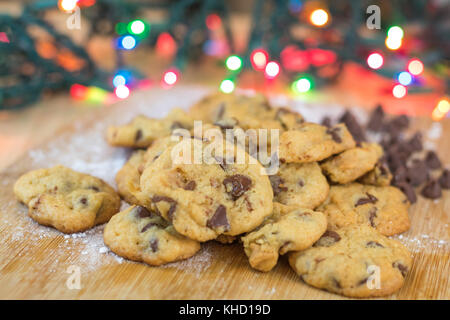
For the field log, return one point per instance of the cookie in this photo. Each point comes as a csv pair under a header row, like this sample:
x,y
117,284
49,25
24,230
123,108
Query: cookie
x,y
353,163
213,195
384,208
129,176
355,261
379,176
299,184
292,231
65,199
311,142
142,131
141,235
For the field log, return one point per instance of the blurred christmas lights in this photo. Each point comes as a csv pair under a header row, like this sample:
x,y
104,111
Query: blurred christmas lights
x,y
119,80
375,60
170,77
122,92
319,17
395,32
399,91
213,21
67,5
441,109
78,91
165,44
136,27
405,78
272,70
127,42
233,63
227,86
415,67
393,43
302,85
259,58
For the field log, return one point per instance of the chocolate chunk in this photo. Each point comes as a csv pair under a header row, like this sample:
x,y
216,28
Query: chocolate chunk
x,y
398,124
370,199
363,281
92,188
219,219
173,205
326,121
406,188
374,244
403,269
400,175
432,161
336,283
376,119
334,132
353,126
236,185
432,190
444,180
190,185
301,183
141,212
154,244
277,184
372,216
416,142
84,201
148,226
333,235
225,124
177,125
138,135
417,173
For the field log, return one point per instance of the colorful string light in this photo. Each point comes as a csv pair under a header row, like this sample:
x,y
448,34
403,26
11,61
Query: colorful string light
x,y
415,67
441,109
319,17
122,92
136,27
128,42
67,5
405,78
259,58
272,70
399,91
170,77
395,32
302,85
227,86
375,60
233,63
213,21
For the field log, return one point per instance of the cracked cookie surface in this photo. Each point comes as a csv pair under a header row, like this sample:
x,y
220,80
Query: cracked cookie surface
x,y
352,261
141,235
67,200
384,208
294,230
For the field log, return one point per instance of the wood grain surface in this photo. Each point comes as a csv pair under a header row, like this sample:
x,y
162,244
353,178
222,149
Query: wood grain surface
x,y
35,260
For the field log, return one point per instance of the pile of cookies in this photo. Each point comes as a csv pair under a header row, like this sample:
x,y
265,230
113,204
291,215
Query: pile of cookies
x,y
330,206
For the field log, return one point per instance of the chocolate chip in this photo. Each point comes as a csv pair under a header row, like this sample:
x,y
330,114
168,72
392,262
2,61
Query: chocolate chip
x,y
334,132
84,201
326,121
336,283
219,219
173,205
225,124
94,188
444,180
432,161
417,173
154,244
220,111
301,183
236,185
374,244
398,124
376,119
400,175
141,212
372,216
353,126
370,199
177,125
148,226
432,190
416,142
277,184
328,238
406,188
363,281
190,185
138,135
403,269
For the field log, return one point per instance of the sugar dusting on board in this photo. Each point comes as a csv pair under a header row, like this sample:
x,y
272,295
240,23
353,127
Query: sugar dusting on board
x,y
87,151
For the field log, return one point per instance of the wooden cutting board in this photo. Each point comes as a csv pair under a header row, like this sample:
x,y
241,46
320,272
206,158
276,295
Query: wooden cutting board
x,y
37,262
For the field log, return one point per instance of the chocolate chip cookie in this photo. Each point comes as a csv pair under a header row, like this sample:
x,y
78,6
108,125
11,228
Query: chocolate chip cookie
x,y
142,131
379,176
65,199
311,142
214,194
384,208
351,164
281,233
141,235
299,184
355,261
